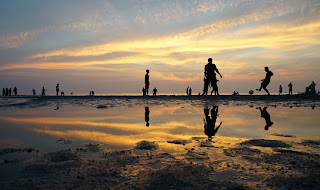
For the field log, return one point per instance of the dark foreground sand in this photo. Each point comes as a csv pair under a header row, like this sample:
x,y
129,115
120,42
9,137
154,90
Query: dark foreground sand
x,y
252,164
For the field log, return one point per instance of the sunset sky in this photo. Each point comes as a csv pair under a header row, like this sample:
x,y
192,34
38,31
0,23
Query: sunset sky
x,y
106,46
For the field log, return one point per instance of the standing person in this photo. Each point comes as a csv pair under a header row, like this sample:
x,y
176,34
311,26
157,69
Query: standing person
x,y
33,92
15,90
7,91
57,89
146,82
155,91
3,91
210,71
190,91
90,93
290,88
280,90
266,80
43,93
10,91
187,91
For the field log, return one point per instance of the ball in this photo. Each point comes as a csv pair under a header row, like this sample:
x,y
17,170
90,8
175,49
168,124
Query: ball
x,y
250,92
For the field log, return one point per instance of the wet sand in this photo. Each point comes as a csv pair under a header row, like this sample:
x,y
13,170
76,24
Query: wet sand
x,y
285,162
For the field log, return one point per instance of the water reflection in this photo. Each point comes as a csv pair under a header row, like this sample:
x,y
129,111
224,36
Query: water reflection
x,y
210,128
266,116
146,116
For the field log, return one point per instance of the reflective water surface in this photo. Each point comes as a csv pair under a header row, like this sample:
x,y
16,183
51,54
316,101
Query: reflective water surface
x,y
73,124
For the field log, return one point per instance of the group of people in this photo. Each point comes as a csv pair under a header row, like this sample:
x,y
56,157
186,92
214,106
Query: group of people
x,y
8,91
290,89
189,91
311,89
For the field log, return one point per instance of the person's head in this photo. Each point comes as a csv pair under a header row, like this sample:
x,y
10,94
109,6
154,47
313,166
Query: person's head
x,y
147,70
266,68
210,60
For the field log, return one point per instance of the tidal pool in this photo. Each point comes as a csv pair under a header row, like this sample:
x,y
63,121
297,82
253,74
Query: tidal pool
x,y
51,126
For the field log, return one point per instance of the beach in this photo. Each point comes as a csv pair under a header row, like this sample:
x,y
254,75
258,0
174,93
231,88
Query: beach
x,y
134,142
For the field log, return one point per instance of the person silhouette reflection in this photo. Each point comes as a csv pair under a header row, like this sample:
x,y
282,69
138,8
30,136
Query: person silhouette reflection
x,y
146,116
210,128
266,116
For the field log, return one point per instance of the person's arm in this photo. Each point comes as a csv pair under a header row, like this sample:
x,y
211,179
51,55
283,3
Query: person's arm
x,y
218,72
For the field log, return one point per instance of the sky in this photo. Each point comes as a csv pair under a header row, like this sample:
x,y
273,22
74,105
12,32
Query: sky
x,y
106,46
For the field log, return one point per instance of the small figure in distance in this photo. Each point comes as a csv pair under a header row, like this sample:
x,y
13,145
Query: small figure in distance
x,y
280,90
146,116
266,116
187,91
7,91
266,80
143,92
10,91
15,90
33,92
92,93
3,91
146,82
235,93
155,91
43,92
210,71
62,93
57,89
290,88
313,87
190,91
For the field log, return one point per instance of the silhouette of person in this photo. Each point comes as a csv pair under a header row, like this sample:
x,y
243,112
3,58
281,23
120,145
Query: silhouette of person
x,y
7,91
43,92
57,89
290,88
280,90
62,93
92,93
33,92
3,91
267,117
313,87
190,91
266,80
155,91
143,91
210,71
10,91
15,90
210,122
146,116
146,82
187,91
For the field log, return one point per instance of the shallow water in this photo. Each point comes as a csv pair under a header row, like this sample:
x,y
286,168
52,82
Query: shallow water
x,y
121,123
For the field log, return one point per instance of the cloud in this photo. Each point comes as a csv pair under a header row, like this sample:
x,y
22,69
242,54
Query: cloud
x,y
16,40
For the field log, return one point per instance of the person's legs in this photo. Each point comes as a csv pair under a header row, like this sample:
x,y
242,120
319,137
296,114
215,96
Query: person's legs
x,y
265,88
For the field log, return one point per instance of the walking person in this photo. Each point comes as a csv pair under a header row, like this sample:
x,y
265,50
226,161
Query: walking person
x,y
266,80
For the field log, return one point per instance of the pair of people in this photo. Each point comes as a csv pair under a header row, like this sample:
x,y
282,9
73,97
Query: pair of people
x,y
210,78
